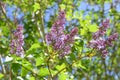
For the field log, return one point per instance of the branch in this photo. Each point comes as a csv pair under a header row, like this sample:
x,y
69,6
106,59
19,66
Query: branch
x,y
105,68
3,67
10,77
31,71
85,74
71,64
42,22
7,19
38,28
43,36
49,68
59,72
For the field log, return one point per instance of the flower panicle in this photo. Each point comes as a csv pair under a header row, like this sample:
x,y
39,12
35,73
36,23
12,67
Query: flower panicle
x,y
99,42
60,41
16,45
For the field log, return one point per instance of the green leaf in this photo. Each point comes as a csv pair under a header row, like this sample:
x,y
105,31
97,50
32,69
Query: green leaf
x,y
5,30
83,31
99,71
62,6
24,72
69,14
59,67
108,32
1,76
93,28
32,78
36,6
39,61
62,76
76,14
43,72
15,67
79,65
26,67
33,47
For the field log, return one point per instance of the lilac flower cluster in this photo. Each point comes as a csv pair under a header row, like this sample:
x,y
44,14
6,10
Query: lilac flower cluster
x,y
17,42
60,41
99,42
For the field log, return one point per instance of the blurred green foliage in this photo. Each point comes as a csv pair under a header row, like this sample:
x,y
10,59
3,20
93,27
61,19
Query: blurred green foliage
x,y
41,62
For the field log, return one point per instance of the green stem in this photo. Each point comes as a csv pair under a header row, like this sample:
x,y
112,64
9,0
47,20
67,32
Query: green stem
x,y
49,68
33,73
42,22
41,29
10,75
70,65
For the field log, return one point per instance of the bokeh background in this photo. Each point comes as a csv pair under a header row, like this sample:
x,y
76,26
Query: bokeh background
x,y
37,17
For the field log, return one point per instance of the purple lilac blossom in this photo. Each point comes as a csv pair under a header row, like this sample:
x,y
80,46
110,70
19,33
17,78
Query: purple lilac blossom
x,y
99,43
102,30
60,41
16,46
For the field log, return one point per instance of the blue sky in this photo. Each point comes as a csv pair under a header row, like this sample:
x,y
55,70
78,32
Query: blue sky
x,y
83,7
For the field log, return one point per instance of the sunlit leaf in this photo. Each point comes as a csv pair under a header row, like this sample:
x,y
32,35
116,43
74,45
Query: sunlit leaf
x,y
1,76
43,72
36,7
93,28
59,67
33,47
62,76
39,61
32,78
62,6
